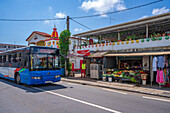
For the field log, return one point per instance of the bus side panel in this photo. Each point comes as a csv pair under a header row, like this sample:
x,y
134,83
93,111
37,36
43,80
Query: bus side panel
x,y
6,72
11,73
24,76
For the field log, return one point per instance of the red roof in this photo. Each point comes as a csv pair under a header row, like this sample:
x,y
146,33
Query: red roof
x,y
40,33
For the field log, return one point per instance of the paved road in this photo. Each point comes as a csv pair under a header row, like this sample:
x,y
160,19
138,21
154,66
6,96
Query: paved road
x,y
66,97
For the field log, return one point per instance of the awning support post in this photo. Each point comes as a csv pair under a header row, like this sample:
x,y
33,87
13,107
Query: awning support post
x,y
151,71
146,30
118,36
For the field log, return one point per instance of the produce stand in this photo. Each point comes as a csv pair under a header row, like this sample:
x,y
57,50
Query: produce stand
x,y
126,75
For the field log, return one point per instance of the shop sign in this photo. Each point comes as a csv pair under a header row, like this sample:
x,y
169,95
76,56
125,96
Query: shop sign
x,y
82,51
146,63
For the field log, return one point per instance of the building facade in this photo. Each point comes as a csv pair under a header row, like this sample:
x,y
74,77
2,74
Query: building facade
x,y
5,47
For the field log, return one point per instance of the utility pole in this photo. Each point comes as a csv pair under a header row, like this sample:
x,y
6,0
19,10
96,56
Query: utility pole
x,y
67,22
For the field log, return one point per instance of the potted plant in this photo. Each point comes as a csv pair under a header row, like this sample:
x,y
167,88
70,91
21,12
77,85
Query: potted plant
x,y
129,38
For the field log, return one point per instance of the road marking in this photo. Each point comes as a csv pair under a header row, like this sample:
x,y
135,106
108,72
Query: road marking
x,y
156,99
77,100
114,91
73,84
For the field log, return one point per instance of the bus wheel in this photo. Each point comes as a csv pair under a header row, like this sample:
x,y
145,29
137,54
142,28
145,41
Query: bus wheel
x,y
17,78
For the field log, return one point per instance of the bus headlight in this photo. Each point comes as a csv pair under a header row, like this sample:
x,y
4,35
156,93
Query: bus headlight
x,y
35,77
57,76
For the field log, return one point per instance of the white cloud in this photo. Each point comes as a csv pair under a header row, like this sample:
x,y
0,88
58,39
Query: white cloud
x,y
46,21
60,15
50,8
145,16
78,29
158,11
103,6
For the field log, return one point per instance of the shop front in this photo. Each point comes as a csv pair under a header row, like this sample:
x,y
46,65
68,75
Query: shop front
x,y
94,64
137,67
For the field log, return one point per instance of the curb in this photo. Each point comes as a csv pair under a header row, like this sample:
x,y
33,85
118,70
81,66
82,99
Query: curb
x,y
118,88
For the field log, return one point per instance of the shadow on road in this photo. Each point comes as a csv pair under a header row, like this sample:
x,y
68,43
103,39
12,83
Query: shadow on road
x,y
30,89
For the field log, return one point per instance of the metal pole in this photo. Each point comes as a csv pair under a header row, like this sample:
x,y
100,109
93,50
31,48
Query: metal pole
x,y
67,22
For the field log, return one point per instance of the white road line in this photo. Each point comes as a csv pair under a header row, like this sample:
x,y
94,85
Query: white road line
x,y
74,84
77,100
114,91
156,99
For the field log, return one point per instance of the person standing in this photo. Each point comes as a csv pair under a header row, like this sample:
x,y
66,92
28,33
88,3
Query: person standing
x,y
83,69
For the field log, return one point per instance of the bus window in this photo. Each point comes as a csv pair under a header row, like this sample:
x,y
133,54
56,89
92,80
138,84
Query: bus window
x,y
19,56
4,59
0,59
39,61
14,57
9,58
51,63
57,65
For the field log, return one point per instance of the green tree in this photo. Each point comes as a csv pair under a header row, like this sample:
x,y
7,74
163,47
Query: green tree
x,y
64,46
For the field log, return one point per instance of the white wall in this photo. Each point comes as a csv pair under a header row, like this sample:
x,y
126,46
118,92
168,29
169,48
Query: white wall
x,y
135,45
39,37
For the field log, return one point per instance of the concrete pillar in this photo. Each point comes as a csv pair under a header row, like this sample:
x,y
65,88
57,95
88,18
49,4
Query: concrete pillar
x,y
118,36
151,72
146,30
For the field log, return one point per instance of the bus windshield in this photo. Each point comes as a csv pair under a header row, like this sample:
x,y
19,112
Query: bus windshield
x,y
44,59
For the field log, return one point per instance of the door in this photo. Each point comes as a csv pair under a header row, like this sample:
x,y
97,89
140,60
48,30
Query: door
x,y
72,66
81,62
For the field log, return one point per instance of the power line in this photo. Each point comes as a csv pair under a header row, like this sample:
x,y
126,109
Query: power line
x,y
118,10
80,24
51,19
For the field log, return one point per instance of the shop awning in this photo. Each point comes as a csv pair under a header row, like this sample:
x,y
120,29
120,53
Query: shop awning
x,y
98,54
81,53
139,54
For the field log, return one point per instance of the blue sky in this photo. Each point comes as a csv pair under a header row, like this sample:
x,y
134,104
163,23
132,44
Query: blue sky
x,y
17,32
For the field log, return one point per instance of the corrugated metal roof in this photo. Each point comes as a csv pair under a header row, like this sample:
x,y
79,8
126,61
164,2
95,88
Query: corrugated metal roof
x,y
126,25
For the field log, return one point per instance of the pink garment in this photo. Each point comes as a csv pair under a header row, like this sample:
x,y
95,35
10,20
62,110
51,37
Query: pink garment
x,y
160,76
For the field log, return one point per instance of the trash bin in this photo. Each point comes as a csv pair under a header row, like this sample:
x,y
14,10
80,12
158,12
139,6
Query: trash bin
x,y
144,78
110,78
104,78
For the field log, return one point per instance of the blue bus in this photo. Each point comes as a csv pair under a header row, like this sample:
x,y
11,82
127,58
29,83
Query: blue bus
x,y
31,65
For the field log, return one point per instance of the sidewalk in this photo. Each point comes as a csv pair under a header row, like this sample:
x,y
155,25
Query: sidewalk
x,y
164,92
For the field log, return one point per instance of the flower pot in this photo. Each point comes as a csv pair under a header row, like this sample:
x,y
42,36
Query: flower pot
x,y
118,43
132,41
159,38
122,42
127,42
166,37
142,40
137,41
113,43
148,39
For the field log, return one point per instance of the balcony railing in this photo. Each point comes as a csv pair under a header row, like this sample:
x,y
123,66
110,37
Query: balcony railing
x,y
133,44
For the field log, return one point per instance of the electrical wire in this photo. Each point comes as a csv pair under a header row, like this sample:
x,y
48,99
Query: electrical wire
x,y
118,10
80,24
31,19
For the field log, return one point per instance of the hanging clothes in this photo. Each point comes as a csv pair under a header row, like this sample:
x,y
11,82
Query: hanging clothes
x,y
154,65
161,61
160,77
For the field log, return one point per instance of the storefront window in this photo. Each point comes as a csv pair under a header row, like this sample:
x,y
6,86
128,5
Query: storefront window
x,y
131,63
